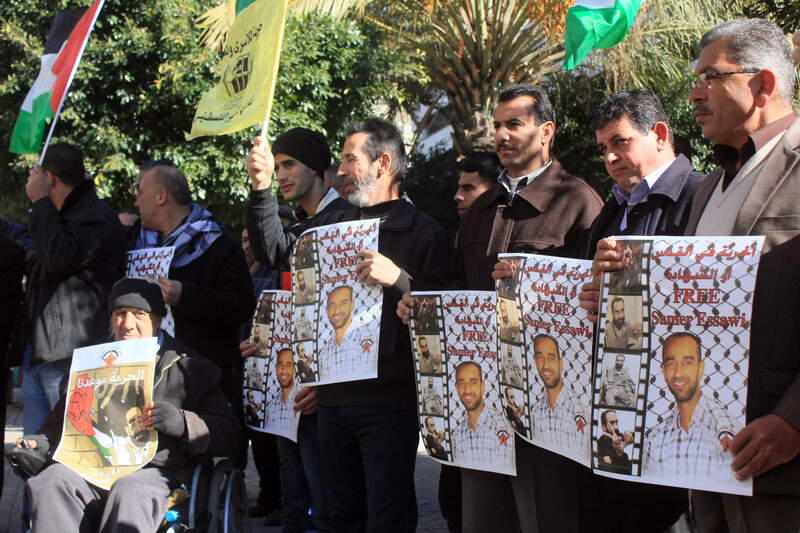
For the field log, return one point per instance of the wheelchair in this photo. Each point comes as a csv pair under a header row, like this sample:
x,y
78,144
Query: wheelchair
x,y
217,502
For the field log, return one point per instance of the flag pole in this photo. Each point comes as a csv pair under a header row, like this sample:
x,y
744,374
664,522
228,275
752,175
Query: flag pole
x,y
69,81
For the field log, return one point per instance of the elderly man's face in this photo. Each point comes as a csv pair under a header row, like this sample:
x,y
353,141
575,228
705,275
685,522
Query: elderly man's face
x,y
148,194
359,175
130,323
724,106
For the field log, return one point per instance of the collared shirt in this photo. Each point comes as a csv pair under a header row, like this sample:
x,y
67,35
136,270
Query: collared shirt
x,y
432,364
330,196
702,452
507,182
281,417
565,426
354,357
490,443
431,401
639,193
730,158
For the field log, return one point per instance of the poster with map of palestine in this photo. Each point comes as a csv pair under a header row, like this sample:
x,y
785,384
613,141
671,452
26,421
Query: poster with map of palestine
x,y
670,379
109,384
336,318
270,382
545,343
460,414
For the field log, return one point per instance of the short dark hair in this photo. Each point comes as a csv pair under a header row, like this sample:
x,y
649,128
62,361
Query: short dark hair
x,y
546,336
383,138
348,287
66,163
462,364
679,335
486,164
642,108
542,109
604,416
171,179
615,300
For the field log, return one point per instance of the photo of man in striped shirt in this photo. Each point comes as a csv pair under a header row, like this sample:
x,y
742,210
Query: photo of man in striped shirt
x,y
694,439
349,352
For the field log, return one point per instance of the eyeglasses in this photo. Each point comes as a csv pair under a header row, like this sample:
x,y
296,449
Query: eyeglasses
x,y
701,81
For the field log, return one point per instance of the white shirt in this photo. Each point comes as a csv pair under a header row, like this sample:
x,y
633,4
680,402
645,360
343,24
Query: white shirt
x,y
719,215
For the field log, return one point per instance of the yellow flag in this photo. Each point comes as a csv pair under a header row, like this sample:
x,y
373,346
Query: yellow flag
x,y
249,66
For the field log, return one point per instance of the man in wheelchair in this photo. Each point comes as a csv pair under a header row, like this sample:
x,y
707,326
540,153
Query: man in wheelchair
x,y
189,412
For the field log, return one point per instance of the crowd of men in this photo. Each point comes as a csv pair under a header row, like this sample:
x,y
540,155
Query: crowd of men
x,y
352,467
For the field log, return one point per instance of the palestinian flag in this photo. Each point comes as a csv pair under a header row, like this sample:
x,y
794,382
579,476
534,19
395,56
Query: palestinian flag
x,y
62,53
596,24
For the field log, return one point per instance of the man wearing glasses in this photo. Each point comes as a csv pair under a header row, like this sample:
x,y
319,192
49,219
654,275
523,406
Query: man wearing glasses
x,y
745,82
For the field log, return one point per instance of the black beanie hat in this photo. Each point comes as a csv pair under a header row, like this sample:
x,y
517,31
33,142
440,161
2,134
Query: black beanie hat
x,y
139,293
308,147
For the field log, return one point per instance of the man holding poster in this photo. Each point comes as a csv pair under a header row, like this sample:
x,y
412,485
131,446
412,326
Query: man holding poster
x,y
189,412
745,81
363,422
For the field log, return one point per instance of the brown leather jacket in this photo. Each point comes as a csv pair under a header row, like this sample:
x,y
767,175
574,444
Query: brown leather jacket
x,y
549,216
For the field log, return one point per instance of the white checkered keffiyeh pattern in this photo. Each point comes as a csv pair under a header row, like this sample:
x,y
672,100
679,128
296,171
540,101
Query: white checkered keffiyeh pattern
x,y
490,444
564,428
701,453
337,362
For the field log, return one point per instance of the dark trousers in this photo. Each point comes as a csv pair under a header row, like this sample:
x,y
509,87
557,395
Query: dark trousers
x,y
265,457
301,480
368,455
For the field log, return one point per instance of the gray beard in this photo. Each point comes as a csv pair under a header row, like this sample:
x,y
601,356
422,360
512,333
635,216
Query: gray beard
x,y
365,191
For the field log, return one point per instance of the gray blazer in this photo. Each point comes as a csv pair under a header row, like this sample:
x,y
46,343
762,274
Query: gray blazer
x,y
772,209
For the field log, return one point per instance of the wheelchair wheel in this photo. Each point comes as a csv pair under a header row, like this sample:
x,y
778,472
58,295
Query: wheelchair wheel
x,y
217,494
236,514
198,503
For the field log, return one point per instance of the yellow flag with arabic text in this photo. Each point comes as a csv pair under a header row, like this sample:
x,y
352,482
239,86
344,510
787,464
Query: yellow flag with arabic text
x,y
249,66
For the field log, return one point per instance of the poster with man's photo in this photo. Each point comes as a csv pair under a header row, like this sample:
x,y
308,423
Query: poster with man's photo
x,y
270,381
545,352
153,263
670,379
336,317
460,413
109,386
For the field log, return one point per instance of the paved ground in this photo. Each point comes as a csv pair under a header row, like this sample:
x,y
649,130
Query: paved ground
x,y
426,477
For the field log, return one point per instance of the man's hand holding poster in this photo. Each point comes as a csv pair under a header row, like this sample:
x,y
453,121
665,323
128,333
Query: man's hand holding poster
x,y
336,317
153,263
670,379
460,413
545,352
110,385
270,381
